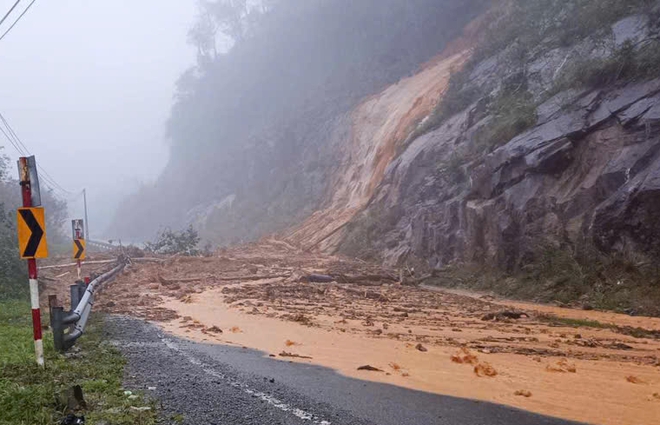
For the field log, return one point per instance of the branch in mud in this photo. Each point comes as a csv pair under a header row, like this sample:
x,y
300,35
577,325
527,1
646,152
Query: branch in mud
x,y
358,279
172,281
166,282
365,278
377,296
293,355
148,260
50,279
254,277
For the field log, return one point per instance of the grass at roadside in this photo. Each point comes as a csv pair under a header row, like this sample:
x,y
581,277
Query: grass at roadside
x,y
585,323
30,395
578,323
613,282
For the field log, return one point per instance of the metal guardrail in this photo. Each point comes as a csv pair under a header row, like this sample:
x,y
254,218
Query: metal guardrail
x,y
82,297
101,245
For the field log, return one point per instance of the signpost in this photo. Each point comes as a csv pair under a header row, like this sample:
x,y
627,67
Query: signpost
x,y
32,233
32,240
78,233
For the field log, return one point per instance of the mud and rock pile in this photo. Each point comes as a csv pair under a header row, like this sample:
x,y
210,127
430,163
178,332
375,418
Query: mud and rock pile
x,y
260,296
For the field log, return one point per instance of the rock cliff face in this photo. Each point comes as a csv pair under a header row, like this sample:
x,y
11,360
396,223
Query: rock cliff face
x,y
588,173
585,175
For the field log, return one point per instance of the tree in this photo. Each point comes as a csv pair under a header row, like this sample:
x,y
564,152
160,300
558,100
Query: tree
x,y
231,18
202,35
13,273
169,242
12,269
248,119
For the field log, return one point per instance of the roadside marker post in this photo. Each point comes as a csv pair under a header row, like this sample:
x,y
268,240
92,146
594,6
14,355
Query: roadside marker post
x,y
78,233
32,241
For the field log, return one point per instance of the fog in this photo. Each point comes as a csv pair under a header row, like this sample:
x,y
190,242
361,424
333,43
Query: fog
x,y
88,86
240,93
252,129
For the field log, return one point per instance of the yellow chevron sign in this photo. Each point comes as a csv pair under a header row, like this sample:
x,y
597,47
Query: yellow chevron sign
x,y
32,241
79,252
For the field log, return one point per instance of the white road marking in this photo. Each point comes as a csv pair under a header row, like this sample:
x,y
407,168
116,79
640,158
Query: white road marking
x,y
278,404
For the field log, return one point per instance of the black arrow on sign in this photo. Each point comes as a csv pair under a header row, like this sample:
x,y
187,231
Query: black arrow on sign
x,y
36,233
81,249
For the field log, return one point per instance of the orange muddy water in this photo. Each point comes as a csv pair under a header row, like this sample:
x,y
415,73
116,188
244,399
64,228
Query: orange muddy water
x,y
605,371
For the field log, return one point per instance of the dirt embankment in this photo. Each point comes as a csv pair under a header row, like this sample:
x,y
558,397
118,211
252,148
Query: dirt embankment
x,y
57,273
380,127
583,365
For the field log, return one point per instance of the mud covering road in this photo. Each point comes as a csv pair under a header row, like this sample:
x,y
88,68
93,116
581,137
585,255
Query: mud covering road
x,y
216,384
585,366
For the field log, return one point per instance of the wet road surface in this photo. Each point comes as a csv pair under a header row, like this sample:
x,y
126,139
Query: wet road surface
x,y
210,384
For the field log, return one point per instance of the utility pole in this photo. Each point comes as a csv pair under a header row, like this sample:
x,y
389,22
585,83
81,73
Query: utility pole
x,y
86,219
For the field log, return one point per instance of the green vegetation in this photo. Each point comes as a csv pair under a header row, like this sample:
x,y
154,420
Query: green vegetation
x,y
626,64
30,395
169,242
524,25
576,323
366,230
13,271
452,168
459,95
555,23
585,323
616,282
513,113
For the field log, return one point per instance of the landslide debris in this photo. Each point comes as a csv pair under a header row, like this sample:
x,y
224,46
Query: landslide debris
x,y
370,307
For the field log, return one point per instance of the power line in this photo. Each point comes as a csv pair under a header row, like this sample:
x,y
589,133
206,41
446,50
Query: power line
x,y
24,151
9,13
53,181
21,152
17,19
18,149
13,134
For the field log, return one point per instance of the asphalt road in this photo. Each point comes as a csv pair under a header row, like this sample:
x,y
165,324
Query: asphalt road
x,y
216,384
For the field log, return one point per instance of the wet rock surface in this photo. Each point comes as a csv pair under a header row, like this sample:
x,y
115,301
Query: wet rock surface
x,y
582,178
587,175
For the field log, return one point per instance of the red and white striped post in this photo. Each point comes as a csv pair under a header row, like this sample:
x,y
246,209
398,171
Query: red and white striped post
x,y
26,191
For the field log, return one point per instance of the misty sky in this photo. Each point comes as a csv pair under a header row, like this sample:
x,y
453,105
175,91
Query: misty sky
x,y
88,85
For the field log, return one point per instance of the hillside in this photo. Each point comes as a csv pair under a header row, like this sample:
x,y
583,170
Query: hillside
x,y
507,144
256,132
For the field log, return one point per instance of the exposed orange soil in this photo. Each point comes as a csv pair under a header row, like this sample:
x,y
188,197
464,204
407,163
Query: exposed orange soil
x,y
432,341
380,127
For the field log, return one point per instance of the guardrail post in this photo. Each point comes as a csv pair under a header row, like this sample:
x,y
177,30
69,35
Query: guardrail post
x,y
56,320
52,302
82,287
75,295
